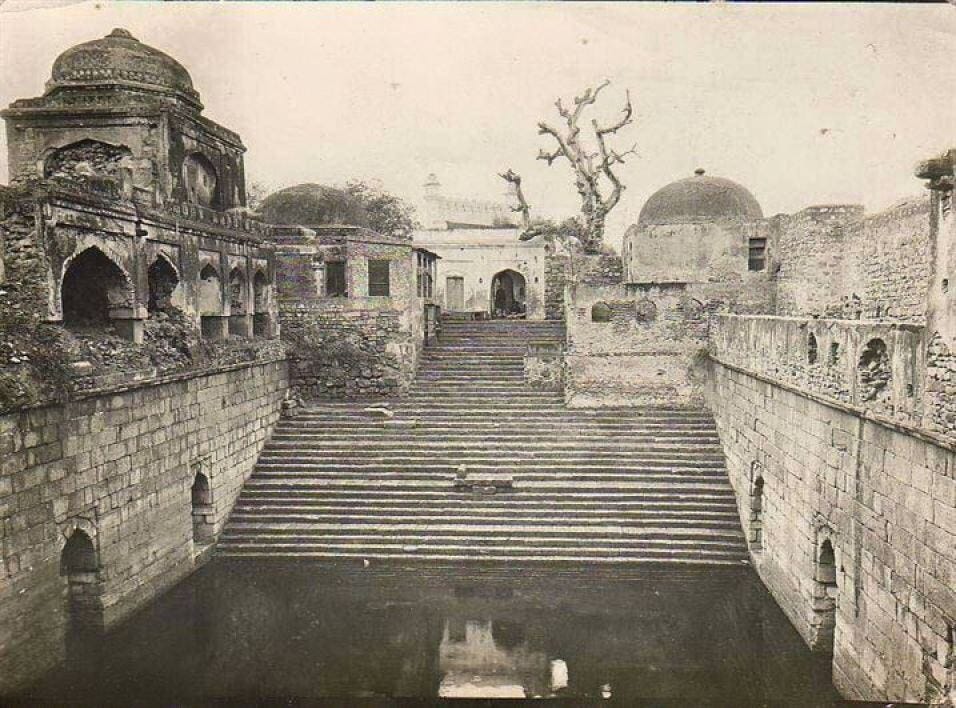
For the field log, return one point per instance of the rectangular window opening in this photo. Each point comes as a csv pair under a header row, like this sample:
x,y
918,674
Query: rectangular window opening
x,y
378,281
757,256
335,279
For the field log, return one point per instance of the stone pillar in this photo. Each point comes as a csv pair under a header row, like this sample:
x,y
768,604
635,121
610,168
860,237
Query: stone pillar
x,y
128,322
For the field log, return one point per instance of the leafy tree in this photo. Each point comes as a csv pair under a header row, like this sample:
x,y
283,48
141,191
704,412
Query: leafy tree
x,y
384,212
355,204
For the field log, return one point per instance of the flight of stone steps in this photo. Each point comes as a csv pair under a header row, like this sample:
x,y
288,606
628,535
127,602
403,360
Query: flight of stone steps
x,y
474,465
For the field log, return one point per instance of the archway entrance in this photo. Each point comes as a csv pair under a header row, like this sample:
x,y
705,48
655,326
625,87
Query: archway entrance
x,y
508,294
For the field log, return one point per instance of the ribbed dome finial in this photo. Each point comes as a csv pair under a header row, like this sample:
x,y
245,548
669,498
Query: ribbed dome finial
x,y
699,171
122,33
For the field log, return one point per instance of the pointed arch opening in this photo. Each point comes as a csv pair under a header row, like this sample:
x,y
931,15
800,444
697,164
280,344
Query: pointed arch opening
x,y
874,373
508,292
162,280
95,292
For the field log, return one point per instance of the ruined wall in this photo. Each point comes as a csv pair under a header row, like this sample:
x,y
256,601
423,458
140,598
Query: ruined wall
x,y
875,365
633,348
811,474
347,353
357,346
119,465
835,262
642,343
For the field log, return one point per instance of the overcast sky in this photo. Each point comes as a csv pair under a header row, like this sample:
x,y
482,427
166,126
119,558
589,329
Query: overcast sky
x,y
802,104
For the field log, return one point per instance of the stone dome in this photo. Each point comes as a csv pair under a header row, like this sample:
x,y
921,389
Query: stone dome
x,y
120,58
699,198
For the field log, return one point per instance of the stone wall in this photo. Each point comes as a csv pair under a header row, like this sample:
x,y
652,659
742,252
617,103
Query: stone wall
x,y
634,347
835,262
840,360
555,282
813,475
643,343
345,353
119,466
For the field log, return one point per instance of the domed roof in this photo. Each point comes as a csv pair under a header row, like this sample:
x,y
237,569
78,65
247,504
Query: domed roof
x,y
120,58
699,198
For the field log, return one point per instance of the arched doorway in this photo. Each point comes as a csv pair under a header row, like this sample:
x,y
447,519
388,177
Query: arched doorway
x,y
508,294
80,565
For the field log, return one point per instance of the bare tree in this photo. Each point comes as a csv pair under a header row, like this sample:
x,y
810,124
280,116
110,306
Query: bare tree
x,y
523,207
593,166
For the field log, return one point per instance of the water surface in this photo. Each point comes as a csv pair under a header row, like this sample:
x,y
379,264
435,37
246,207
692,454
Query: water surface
x,y
247,631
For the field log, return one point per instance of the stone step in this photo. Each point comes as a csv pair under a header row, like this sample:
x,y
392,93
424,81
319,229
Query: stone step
x,y
274,516
306,478
518,502
666,551
413,456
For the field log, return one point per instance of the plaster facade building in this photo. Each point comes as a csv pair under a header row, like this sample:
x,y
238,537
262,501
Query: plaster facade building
x,y
484,270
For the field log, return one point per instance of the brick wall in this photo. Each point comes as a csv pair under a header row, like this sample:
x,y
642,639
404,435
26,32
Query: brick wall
x,y
884,498
119,465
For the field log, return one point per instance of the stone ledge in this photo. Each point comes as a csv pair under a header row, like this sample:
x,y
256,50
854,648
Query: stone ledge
x,y
864,413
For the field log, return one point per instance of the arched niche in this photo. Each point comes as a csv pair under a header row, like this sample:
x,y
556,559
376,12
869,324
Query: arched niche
x,y
79,564
201,181
96,294
202,509
163,279
86,159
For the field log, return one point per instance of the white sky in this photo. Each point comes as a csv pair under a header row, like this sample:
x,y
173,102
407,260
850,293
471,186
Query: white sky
x,y
802,104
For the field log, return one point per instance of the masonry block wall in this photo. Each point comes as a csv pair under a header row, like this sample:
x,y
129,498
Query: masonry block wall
x,y
633,348
852,526
119,466
346,353
834,262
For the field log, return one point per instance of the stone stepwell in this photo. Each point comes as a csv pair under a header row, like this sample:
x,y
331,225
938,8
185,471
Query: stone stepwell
x,y
473,465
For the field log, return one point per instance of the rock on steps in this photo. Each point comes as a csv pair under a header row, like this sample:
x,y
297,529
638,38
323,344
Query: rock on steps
x,y
589,486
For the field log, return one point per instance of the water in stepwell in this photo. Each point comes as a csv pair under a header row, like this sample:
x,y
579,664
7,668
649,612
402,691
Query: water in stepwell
x,y
250,631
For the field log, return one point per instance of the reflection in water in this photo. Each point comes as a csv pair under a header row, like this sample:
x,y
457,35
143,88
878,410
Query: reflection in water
x,y
476,661
255,631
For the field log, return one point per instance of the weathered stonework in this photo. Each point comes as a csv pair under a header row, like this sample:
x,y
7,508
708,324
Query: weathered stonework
x,y
883,497
836,262
119,465
352,345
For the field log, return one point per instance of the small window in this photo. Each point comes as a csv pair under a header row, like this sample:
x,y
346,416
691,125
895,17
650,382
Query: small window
x,y
601,312
812,349
378,283
946,202
757,257
335,279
